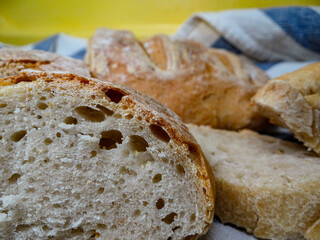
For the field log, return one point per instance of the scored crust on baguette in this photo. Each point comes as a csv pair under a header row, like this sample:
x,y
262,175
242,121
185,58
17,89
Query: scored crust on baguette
x,y
12,61
266,185
202,85
293,101
82,158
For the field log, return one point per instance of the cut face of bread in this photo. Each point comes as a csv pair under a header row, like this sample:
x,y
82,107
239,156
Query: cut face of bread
x,y
80,159
13,61
266,185
293,101
203,86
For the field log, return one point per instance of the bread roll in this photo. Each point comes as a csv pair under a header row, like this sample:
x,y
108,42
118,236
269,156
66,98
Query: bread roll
x,y
12,61
266,185
81,158
203,86
293,101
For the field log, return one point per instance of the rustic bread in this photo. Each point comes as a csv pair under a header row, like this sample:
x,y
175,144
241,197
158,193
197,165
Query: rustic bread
x,y
293,101
266,185
12,61
81,158
202,85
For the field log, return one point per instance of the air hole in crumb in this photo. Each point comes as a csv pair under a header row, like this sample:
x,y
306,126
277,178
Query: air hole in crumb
x,y
124,170
7,122
117,115
58,134
43,98
14,178
109,139
114,95
70,120
124,107
79,166
160,203
145,203
3,105
22,227
39,117
46,160
192,217
17,136
180,169
0,137
138,143
175,228
121,181
47,141
128,116
101,226
76,232
45,228
204,190
56,205
157,178
93,154
165,160
30,190
169,218
101,190
90,114
159,132
45,199
191,237
105,110
42,106
136,213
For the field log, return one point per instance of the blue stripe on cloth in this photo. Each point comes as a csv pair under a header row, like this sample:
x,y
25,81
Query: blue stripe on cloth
x,y
223,43
301,23
266,65
47,44
80,54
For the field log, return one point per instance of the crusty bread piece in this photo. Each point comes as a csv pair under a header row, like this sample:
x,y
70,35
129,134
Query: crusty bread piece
x,y
266,185
202,85
293,101
12,61
81,158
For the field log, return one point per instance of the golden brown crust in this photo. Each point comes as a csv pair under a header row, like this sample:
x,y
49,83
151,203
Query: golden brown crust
x,y
203,86
148,109
293,101
13,61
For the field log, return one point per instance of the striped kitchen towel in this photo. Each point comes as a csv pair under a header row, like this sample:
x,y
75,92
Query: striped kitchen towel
x,y
266,36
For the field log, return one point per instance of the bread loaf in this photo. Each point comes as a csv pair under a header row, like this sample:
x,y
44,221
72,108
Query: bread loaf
x,y
12,61
84,159
293,101
203,86
266,185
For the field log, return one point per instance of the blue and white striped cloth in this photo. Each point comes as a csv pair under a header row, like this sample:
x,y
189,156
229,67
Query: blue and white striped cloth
x,y
278,40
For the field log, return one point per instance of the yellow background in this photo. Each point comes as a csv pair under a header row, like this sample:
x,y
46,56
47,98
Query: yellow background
x,y
25,21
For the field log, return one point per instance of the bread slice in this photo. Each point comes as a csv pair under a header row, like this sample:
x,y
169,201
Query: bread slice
x,y
12,61
202,85
266,185
81,158
293,101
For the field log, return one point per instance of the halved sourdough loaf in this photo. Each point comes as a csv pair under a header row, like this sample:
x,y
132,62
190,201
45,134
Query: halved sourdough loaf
x,y
266,185
80,158
204,86
12,61
293,101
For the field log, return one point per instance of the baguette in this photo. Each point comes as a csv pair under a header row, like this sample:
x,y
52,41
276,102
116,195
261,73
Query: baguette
x,y
202,85
266,185
84,159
